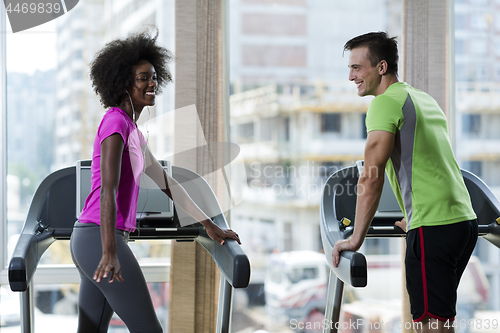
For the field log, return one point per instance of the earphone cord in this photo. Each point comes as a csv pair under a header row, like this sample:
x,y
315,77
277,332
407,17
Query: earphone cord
x,y
132,104
143,154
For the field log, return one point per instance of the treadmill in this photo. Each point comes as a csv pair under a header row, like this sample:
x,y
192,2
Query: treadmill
x,y
337,210
58,201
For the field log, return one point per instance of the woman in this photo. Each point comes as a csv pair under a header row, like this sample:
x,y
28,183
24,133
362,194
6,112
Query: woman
x,y
127,74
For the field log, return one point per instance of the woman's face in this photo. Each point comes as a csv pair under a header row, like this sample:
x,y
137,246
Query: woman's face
x,y
143,87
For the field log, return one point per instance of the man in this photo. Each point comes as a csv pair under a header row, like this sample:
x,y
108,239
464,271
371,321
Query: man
x,y
407,136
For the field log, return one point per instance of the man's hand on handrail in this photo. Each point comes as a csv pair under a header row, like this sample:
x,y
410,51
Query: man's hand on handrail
x,y
342,245
401,224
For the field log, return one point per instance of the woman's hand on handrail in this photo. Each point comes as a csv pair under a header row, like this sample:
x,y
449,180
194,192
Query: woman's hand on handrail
x,y
218,234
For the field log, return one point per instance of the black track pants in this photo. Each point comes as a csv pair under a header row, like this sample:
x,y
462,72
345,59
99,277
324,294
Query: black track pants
x,y
130,299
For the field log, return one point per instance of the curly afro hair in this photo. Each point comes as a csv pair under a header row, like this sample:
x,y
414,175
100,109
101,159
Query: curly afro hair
x,y
111,71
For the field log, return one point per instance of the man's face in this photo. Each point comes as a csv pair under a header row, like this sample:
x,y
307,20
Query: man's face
x,y
366,77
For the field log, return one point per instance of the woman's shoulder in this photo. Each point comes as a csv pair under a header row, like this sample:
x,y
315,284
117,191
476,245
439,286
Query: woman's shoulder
x,y
115,113
114,120
117,117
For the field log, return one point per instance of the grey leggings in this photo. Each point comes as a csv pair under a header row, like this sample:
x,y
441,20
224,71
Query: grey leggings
x,y
130,299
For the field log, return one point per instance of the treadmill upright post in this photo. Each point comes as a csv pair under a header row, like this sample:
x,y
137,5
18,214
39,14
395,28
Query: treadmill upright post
x,y
26,298
225,306
333,303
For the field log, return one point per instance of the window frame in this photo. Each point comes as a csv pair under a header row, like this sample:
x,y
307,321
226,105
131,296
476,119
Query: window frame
x,y
3,147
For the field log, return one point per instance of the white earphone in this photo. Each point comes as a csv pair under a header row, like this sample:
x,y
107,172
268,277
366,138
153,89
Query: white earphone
x,y
133,111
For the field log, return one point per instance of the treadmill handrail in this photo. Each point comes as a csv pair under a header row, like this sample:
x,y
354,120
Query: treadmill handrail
x,y
492,199
486,206
30,247
352,268
230,257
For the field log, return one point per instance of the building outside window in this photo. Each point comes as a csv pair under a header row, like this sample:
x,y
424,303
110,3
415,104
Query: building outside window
x,y
52,117
477,112
295,116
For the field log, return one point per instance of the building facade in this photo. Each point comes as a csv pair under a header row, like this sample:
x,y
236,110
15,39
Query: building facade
x,y
82,33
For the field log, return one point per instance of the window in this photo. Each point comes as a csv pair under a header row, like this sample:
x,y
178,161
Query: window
x,y
267,231
297,275
479,46
460,21
497,47
244,132
328,168
476,114
276,273
51,115
77,75
288,236
471,124
479,21
331,122
474,166
459,47
78,34
461,73
286,130
269,129
483,74
271,24
363,126
274,56
308,125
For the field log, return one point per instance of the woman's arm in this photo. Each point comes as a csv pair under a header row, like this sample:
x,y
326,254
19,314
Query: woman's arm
x,y
111,157
182,199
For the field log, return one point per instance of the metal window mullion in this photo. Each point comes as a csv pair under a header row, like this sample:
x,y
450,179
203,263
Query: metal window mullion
x,y
61,274
3,143
451,77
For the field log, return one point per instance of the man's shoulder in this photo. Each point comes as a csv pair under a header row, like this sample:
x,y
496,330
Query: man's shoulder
x,y
389,100
397,92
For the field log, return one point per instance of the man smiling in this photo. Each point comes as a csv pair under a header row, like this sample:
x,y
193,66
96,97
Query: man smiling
x,y
408,137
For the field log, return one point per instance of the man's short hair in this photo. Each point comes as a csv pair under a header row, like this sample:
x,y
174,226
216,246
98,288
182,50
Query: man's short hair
x,y
380,46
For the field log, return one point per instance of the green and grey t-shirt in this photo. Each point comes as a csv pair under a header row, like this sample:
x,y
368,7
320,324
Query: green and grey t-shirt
x,y
422,169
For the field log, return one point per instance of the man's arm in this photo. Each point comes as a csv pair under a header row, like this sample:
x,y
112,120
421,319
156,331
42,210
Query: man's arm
x,y
378,149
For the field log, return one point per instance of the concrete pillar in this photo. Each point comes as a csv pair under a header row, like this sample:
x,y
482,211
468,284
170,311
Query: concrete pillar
x,y
194,279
